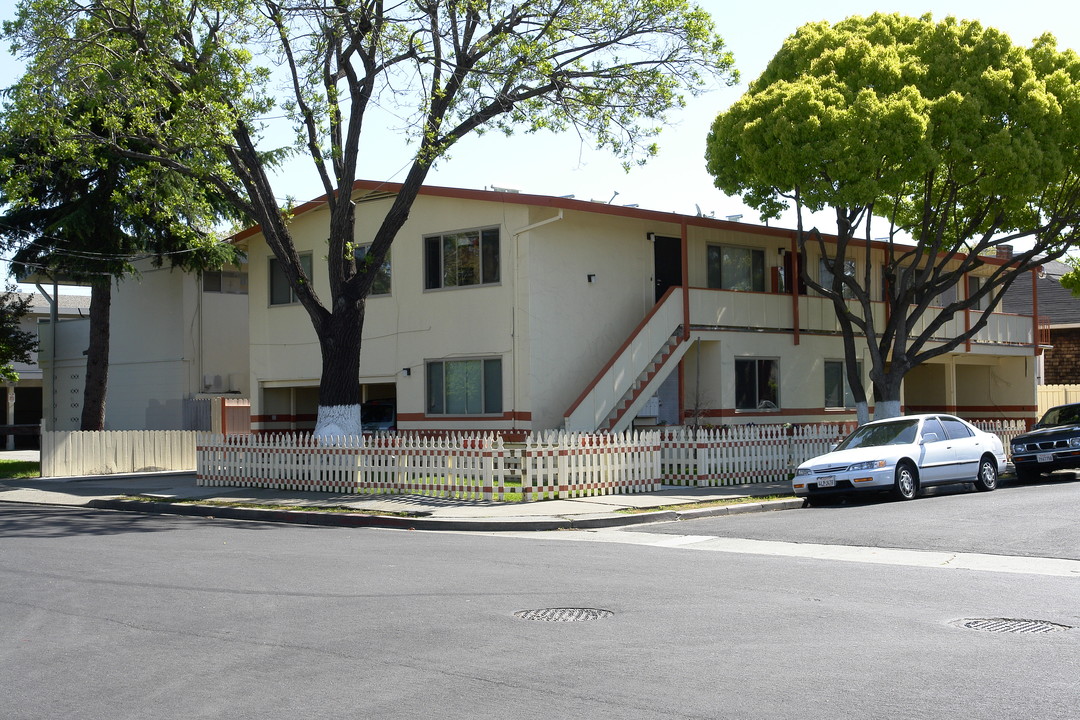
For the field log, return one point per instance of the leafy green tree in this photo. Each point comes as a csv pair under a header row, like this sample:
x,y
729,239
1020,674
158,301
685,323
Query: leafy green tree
x,y
610,69
16,344
943,137
87,220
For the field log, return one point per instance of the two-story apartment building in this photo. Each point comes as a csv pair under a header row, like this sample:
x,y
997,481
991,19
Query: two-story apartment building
x,y
176,338
513,312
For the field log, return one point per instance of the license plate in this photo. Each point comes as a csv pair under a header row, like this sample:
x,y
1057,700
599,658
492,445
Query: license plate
x,y
827,481
1045,457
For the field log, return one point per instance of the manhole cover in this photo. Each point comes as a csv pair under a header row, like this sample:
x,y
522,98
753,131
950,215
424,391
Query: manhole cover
x,y
563,614
1009,625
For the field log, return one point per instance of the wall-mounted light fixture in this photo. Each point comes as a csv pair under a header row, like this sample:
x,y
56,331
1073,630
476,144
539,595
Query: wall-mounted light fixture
x,y
406,371
591,277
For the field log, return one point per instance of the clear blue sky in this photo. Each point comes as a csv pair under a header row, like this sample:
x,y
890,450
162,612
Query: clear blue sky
x,y
676,179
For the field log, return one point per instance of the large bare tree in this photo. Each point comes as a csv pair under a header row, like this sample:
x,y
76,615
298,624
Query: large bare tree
x,y
609,69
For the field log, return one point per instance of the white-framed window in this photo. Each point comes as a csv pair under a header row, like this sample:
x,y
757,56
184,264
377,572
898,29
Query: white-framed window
x,y
974,283
735,268
281,293
464,387
837,390
228,282
757,384
825,277
381,284
946,297
460,259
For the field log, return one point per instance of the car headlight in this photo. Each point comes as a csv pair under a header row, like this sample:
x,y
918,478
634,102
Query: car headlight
x,y
803,471
1074,441
1018,447
868,465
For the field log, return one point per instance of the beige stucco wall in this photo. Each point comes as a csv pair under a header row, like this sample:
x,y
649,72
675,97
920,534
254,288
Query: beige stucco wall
x,y
167,339
403,329
575,325
553,329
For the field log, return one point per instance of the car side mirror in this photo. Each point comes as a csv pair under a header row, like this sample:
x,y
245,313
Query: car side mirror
x,y
833,446
929,438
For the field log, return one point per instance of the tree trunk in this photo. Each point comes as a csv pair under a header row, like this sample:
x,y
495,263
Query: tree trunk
x,y
97,356
887,393
339,386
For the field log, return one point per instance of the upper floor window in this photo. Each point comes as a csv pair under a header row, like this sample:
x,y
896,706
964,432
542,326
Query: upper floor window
x,y
225,281
281,293
462,258
736,268
974,283
825,276
381,284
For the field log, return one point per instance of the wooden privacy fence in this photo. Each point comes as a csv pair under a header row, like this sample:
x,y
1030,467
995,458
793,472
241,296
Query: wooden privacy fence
x,y
1053,395
72,453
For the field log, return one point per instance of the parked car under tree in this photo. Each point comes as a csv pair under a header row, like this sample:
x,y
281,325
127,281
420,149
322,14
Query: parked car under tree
x,y
901,456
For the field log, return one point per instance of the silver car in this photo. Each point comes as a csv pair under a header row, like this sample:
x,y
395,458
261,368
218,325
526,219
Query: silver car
x,y
902,455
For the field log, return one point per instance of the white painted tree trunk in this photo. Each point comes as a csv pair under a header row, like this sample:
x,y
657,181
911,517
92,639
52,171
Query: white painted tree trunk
x,y
884,409
336,420
862,410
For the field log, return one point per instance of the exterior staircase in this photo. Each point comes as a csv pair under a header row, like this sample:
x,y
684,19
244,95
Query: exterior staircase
x,y
634,373
646,384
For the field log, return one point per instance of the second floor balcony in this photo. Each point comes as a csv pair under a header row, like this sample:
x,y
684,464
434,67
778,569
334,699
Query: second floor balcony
x,y
728,309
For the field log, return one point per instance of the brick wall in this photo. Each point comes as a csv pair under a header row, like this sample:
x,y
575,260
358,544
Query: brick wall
x,y
1062,363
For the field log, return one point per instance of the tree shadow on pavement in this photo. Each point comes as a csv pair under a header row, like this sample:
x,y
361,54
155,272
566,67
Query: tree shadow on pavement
x,y
35,521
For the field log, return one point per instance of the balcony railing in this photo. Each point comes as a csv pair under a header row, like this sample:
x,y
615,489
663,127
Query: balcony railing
x,y
769,311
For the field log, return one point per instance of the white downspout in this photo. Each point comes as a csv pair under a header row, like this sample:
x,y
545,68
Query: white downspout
x,y
54,315
517,289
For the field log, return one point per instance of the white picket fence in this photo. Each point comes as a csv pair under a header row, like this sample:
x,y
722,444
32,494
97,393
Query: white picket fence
x,y
74,453
739,454
1004,429
468,466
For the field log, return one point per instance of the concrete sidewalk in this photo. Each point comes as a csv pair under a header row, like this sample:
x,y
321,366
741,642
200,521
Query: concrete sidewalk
x,y
412,511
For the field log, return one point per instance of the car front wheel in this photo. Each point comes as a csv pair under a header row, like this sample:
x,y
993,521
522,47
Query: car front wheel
x,y
987,478
906,484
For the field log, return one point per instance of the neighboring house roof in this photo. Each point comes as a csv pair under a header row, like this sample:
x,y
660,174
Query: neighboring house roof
x,y
66,304
1055,302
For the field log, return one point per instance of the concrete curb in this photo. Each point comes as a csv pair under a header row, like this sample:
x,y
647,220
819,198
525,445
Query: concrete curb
x,y
359,519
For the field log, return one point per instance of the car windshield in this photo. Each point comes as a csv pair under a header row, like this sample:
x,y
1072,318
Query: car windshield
x,y
377,413
901,432
1064,415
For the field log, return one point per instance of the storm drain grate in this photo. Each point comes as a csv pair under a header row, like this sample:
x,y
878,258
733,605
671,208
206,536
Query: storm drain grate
x,y
564,614
1009,625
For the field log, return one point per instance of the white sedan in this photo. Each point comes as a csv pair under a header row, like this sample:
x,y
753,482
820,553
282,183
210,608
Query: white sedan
x,y
903,455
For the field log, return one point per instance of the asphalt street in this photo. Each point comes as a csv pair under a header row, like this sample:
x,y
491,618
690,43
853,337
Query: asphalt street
x,y
116,615
1033,520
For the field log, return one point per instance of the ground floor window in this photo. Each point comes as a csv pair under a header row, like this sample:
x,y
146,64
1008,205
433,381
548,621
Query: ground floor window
x,y
757,384
464,387
837,390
